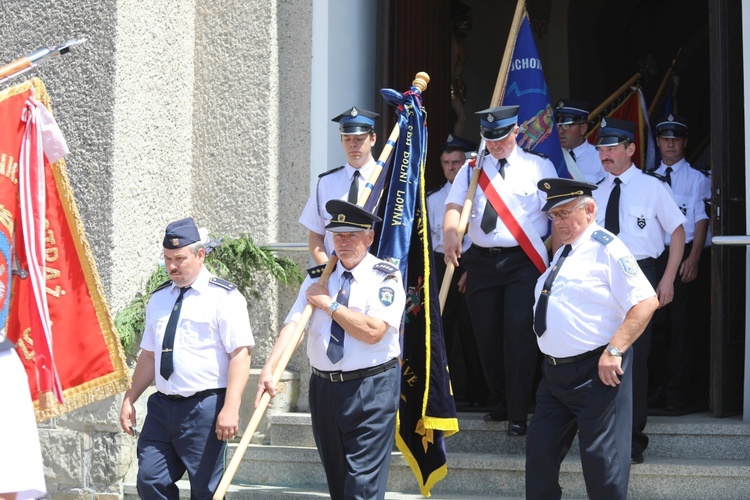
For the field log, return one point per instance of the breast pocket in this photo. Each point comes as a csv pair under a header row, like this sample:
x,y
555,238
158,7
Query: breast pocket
x,y
527,195
198,329
640,216
686,206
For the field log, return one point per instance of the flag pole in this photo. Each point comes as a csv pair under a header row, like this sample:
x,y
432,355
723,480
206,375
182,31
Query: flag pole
x,y
497,97
39,56
420,81
663,85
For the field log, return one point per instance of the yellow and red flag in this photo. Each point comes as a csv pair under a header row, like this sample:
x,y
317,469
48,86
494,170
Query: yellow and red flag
x,y
55,312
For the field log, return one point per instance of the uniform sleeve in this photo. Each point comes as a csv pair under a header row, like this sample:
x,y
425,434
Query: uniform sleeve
x,y
234,322
628,284
310,217
148,339
460,186
703,192
669,214
299,305
387,301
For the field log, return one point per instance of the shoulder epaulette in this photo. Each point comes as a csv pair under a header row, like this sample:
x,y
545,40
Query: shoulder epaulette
x,y
387,269
653,173
602,237
601,180
433,191
705,172
330,171
222,283
317,271
537,153
162,286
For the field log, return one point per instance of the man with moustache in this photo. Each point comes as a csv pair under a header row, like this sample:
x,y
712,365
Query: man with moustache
x,y
572,126
346,182
591,306
196,345
502,273
641,211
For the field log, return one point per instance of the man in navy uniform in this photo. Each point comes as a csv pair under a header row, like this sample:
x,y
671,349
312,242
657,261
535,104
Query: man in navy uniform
x,y
572,118
346,182
456,320
196,345
591,305
640,210
673,332
502,273
353,346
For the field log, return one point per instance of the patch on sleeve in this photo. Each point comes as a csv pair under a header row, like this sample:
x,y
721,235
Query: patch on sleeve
x,y
629,265
602,237
386,295
222,283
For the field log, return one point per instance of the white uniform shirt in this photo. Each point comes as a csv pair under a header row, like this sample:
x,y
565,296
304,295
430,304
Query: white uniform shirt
x,y
374,293
213,323
587,159
646,200
522,171
331,186
593,291
436,213
690,188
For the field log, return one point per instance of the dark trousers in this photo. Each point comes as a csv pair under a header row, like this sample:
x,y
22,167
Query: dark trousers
x,y
457,328
179,436
354,424
500,293
641,348
572,398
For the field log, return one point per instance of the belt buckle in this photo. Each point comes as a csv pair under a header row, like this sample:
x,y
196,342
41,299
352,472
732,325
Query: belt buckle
x,y
336,376
551,360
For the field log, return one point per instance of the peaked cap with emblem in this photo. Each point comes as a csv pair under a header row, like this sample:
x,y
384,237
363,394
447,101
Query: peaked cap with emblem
x,y
560,191
181,233
496,123
613,132
568,112
672,126
356,121
459,143
349,218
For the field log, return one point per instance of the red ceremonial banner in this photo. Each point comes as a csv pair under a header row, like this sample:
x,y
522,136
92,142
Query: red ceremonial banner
x,y
82,360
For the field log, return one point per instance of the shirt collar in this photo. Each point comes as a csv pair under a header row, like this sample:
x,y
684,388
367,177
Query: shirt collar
x,y
200,283
676,167
625,176
364,170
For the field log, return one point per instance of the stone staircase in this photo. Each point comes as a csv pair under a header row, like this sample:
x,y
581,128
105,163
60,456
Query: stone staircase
x,y
693,456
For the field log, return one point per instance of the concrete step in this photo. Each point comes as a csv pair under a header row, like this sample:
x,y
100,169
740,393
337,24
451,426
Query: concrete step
x,y
697,435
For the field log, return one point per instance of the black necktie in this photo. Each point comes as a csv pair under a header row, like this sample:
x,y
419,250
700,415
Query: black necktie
x,y
489,217
612,215
668,176
354,188
167,362
572,155
335,349
540,314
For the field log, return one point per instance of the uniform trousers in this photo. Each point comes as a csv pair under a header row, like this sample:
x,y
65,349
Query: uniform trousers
x,y
354,423
457,327
500,293
672,344
179,435
572,398
641,348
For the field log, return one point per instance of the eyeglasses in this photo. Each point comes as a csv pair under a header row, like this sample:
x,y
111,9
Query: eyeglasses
x,y
564,214
566,126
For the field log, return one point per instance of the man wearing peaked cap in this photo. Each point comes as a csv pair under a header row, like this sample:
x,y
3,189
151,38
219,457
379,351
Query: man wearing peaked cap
x,y
196,347
500,273
347,182
353,347
572,126
592,303
673,336
641,210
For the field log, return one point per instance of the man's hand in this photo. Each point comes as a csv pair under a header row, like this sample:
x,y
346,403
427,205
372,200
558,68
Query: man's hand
x,y
227,424
265,384
665,291
610,369
452,249
127,416
462,283
317,295
689,268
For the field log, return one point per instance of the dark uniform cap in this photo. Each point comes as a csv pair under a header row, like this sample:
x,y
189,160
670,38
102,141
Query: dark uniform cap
x,y
672,126
613,131
349,218
456,142
568,112
181,233
356,121
561,191
496,123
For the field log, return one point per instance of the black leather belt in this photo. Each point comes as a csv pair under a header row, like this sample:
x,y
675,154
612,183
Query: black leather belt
x,y
573,359
355,374
648,261
498,250
207,392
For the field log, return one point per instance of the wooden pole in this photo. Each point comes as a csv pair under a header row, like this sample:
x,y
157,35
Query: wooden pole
x,y
617,93
420,81
496,100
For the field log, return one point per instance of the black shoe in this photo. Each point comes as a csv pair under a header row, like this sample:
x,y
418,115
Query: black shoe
x,y
516,428
496,416
636,457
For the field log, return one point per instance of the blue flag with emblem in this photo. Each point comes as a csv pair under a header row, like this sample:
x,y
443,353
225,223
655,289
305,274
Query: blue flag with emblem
x,y
527,88
427,412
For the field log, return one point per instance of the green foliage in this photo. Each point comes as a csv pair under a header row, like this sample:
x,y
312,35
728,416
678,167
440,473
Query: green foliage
x,y
237,260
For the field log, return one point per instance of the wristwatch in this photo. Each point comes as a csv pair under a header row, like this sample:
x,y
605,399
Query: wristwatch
x,y
333,307
614,351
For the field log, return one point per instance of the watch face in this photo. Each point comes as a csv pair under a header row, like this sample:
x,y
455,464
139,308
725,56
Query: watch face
x,y
614,351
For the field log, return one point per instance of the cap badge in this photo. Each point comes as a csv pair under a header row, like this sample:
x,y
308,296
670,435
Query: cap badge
x,y
175,241
490,118
354,112
604,123
546,185
341,218
670,118
450,138
561,104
